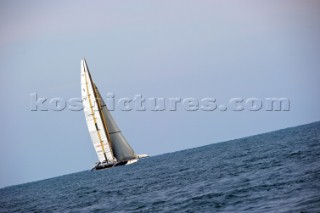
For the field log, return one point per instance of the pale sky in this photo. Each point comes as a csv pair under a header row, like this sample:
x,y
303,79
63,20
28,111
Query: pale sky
x,y
219,49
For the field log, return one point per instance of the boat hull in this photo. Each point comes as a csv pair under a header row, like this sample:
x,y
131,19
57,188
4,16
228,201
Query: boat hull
x,y
100,166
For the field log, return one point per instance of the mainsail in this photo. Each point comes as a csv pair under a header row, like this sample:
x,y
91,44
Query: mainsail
x,y
108,141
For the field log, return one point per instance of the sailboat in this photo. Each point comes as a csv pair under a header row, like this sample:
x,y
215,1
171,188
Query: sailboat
x,y
109,143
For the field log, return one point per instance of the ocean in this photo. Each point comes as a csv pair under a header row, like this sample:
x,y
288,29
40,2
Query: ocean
x,y
272,172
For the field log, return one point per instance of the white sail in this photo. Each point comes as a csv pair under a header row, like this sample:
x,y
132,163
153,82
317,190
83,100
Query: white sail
x,y
92,113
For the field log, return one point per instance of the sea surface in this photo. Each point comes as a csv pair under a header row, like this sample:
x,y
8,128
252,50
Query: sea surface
x,y
273,172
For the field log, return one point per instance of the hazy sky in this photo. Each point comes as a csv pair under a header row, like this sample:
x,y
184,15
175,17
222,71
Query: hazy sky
x,y
219,49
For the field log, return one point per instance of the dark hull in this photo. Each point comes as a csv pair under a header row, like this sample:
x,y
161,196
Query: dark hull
x,y
100,166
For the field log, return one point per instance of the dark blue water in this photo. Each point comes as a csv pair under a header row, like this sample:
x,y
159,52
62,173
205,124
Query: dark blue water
x,y
273,172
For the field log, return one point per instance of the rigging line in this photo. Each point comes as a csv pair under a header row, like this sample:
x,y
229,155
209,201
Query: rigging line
x,y
94,118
